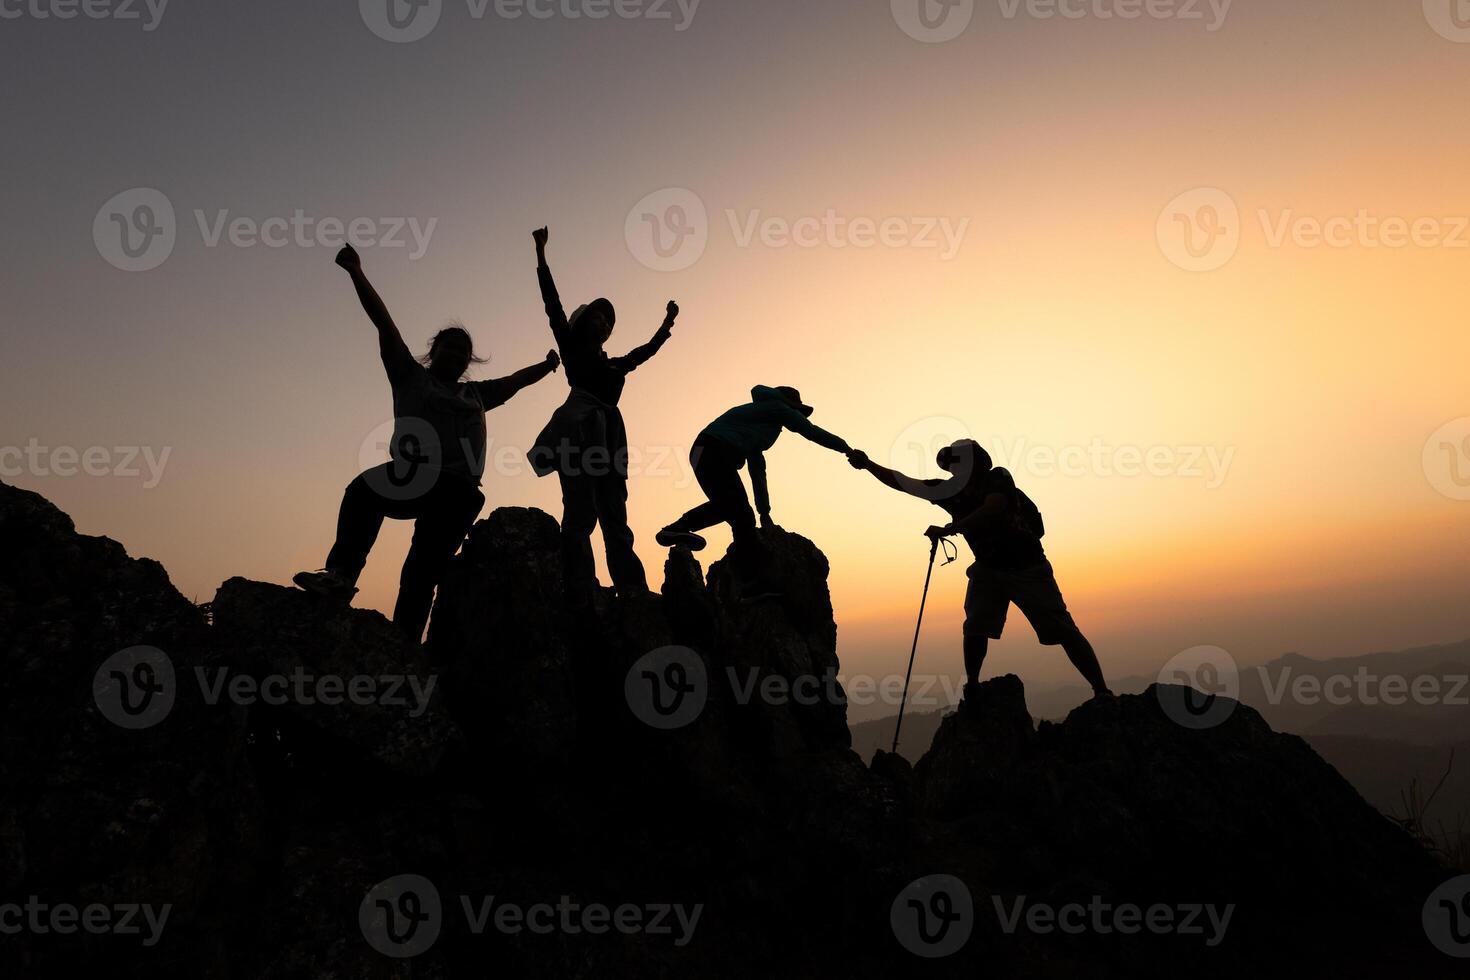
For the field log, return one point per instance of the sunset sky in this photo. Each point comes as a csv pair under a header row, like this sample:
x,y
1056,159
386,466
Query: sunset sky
x,y
1305,404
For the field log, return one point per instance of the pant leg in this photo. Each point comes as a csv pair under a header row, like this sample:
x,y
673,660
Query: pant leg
x,y
611,498
358,522
446,516
718,473
578,518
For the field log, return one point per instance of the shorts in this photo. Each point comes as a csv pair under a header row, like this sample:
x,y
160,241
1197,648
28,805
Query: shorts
x,y
1034,591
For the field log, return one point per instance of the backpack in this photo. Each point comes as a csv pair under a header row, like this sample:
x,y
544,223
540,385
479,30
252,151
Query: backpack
x,y
1027,515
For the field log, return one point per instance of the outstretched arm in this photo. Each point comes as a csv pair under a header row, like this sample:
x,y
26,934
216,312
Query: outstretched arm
x,y
555,314
923,489
394,351
502,390
802,426
757,463
638,355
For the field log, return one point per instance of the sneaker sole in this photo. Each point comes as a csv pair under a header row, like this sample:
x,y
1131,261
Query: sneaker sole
x,y
691,541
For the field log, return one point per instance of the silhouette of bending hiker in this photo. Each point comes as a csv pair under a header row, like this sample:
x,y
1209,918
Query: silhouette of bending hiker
x,y
741,436
586,443
1003,529
437,460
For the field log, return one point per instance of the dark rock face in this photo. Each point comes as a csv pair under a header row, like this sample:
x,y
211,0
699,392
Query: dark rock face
x,y
681,749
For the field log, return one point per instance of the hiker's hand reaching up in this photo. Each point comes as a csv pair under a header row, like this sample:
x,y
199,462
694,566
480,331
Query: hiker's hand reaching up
x,y
541,236
672,315
349,259
554,359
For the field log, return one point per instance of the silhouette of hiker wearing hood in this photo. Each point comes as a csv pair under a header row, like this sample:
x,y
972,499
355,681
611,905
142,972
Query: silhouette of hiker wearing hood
x,y
586,443
437,460
741,436
1003,529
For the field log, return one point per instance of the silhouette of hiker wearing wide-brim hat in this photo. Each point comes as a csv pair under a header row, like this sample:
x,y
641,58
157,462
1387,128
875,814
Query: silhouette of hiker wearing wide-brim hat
x,y
437,461
1004,530
738,438
586,443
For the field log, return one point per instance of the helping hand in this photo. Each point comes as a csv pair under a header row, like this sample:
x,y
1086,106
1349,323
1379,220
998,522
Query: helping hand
x,y
858,459
554,359
349,259
542,236
673,314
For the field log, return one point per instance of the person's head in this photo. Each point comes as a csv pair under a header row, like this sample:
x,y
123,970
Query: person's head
x,y
965,459
451,353
792,397
593,324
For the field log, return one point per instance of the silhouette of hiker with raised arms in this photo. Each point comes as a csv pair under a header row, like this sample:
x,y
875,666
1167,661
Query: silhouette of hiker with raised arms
x,y
1003,529
586,443
437,460
741,436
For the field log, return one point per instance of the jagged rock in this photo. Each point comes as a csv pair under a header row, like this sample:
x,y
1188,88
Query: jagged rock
x,y
91,812
355,681
1118,800
501,630
788,640
753,807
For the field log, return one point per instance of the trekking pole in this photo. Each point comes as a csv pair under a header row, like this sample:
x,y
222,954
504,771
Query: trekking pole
x,y
933,551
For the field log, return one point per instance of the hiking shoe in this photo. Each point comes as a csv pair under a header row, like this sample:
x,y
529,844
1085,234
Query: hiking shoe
x,y
670,538
326,583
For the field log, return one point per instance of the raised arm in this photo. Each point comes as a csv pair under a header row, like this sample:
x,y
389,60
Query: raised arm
x,y
501,390
639,355
555,314
394,351
757,464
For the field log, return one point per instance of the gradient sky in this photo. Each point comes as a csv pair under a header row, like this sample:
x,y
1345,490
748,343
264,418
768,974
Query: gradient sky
x,y
1321,373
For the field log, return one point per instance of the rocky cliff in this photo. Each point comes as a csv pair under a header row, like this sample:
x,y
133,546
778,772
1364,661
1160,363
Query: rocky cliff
x,y
663,787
